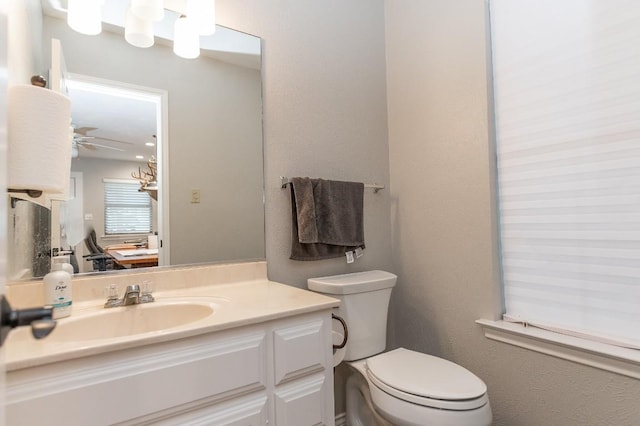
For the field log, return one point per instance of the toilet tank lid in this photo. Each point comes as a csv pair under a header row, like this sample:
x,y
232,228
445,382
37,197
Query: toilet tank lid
x,y
357,282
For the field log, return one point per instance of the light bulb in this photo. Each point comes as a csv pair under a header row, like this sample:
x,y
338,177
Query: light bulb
x,y
138,32
85,16
186,40
204,14
150,10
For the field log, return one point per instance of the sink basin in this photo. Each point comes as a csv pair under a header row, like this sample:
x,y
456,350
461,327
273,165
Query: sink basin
x,y
130,320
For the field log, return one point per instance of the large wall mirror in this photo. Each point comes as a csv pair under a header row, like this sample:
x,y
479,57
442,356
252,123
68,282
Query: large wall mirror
x,y
209,147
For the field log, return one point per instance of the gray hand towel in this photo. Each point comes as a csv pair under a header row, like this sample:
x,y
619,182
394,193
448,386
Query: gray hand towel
x,y
327,218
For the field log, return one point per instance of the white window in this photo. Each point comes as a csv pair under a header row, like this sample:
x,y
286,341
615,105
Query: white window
x,y
567,105
126,210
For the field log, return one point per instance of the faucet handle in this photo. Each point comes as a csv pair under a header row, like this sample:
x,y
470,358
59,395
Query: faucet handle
x,y
146,296
113,299
112,291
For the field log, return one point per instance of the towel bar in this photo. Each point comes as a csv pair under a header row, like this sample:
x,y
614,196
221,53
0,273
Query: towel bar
x,y
375,186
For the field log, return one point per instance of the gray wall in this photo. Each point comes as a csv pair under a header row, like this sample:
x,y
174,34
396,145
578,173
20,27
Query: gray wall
x,y
443,223
324,114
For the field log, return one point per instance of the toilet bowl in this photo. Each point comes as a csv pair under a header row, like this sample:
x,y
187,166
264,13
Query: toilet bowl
x,y
400,387
410,388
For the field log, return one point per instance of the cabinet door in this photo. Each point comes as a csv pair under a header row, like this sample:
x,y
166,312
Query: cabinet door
x,y
302,402
299,350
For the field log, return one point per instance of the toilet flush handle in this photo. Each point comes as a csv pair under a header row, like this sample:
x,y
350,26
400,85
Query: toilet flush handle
x,y
346,331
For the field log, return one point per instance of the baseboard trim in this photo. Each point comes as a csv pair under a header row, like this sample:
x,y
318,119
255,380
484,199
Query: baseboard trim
x,y
341,419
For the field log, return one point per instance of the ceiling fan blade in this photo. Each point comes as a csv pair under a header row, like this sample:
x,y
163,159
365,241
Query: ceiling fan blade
x,y
87,145
84,130
94,145
113,140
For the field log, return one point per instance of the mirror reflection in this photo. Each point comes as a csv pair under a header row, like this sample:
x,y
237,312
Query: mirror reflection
x,y
209,203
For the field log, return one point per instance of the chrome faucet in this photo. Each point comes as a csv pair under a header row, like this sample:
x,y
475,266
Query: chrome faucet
x,y
132,296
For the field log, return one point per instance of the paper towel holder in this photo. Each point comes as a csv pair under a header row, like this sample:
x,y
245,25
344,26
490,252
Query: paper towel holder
x,y
39,81
33,193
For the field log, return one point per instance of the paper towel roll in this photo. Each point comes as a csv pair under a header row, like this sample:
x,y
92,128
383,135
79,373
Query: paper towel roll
x,y
39,149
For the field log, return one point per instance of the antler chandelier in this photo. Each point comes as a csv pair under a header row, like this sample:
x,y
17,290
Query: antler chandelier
x,y
195,19
148,178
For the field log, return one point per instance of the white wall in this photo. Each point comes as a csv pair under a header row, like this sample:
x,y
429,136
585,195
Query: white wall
x,y
24,34
324,114
444,245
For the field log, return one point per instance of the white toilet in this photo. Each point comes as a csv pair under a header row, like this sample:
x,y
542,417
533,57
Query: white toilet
x,y
399,387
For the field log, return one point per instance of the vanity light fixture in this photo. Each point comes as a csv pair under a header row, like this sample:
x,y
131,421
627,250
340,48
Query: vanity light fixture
x,y
196,18
85,16
186,39
138,32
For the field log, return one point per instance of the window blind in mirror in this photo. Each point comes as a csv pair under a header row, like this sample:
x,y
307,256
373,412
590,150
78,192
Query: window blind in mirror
x,y
126,210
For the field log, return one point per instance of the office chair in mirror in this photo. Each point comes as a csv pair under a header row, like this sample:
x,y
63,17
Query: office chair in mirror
x,y
101,260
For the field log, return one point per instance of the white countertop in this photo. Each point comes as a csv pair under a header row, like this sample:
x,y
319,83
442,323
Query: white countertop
x,y
240,303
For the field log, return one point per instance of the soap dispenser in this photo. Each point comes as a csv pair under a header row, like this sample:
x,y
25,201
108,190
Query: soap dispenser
x,y
57,290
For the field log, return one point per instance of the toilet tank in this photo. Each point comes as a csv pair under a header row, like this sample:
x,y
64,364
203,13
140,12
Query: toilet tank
x,y
364,303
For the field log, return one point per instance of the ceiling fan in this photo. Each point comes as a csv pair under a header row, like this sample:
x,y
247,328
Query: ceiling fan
x,y
82,139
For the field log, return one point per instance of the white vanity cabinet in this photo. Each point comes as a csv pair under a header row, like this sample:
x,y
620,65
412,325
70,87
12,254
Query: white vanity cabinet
x,y
278,373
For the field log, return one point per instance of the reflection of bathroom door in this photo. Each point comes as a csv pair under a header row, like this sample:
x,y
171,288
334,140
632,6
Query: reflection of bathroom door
x,y
57,82
72,216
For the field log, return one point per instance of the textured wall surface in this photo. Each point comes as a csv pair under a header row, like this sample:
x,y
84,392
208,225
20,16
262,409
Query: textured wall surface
x,y
443,223
324,114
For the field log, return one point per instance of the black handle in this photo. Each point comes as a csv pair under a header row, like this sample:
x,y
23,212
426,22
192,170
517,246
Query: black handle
x,y
40,320
346,331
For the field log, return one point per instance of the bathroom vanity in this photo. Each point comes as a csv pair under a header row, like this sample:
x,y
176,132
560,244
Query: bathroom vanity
x,y
241,350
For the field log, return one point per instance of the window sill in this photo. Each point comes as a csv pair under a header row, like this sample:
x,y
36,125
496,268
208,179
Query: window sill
x,y
611,358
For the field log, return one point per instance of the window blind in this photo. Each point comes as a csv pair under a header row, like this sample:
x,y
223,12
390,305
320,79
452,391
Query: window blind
x,y
126,210
567,107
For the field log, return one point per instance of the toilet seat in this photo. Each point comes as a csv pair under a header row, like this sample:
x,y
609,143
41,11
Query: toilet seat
x,y
426,380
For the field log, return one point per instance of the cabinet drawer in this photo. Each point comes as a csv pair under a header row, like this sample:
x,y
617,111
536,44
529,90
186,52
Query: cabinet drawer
x,y
156,378
249,410
299,350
